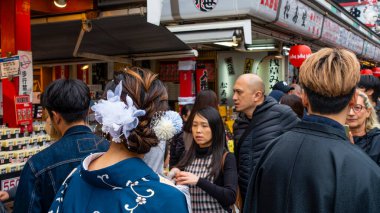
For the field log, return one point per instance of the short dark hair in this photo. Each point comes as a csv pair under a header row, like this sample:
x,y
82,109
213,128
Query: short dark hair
x,y
370,82
295,103
328,105
218,145
68,97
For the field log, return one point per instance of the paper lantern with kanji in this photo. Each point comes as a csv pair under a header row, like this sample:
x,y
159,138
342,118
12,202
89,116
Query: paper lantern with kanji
x,y
366,72
298,54
376,71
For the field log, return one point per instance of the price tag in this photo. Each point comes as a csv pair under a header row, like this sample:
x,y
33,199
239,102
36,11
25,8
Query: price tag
x,y
9,183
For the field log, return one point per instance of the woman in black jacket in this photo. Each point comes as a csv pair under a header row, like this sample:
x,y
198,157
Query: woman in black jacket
x,y
208,169
364,127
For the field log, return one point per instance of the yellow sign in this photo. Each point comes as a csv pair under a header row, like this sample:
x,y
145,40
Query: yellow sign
x,y
230,145
223,110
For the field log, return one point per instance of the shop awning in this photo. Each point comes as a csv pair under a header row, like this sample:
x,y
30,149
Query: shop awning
x,y
111,35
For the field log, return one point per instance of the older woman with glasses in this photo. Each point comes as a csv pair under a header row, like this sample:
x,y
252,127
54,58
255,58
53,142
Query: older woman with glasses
x,y
364,127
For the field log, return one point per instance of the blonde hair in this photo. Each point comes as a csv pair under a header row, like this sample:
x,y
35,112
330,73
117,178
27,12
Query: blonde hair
x,y
372,121
330,72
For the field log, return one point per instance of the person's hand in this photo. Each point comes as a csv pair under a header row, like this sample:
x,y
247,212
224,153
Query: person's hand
x,y
173,173
4,196
186,178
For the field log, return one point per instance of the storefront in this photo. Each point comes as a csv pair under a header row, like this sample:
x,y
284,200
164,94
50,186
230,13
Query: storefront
x,y
260,33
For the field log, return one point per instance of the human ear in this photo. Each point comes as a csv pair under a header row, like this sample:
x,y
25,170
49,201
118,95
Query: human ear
x,y
305,99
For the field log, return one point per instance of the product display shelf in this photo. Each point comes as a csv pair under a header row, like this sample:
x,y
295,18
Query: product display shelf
x,y
16,149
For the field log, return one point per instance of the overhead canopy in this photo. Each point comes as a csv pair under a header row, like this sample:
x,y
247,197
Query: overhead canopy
x,y
110,36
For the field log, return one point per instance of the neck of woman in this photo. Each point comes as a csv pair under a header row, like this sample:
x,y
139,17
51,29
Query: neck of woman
x,y
357,132
117,152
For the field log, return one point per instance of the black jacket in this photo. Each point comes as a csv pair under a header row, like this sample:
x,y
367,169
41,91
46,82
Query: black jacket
x,y
269,121
370,143
240,125
177,149
314,168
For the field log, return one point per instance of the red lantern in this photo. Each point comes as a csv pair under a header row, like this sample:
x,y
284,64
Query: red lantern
x,y
298,54
376,71
366,72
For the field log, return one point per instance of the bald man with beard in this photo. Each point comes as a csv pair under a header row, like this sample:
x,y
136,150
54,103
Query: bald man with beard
x,y
260,121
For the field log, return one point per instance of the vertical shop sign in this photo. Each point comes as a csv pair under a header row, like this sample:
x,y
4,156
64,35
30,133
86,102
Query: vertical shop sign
x,y
26,74
223,92
9,66
274,67
201,79
248,65
230,66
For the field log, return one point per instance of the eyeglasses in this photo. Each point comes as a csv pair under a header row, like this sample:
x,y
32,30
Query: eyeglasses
x,y
357,108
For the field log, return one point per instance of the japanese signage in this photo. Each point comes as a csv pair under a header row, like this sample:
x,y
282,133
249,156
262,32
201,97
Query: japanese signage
x,y
265,9
230,65
9,66
356,43
343,37
205,5
201,79
330,33
367,12
296,16
26,74
223,92
274,68
368,50
23,109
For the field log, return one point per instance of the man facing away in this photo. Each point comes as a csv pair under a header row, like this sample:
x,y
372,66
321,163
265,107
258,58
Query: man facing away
x,y
67,103
313,167
262,120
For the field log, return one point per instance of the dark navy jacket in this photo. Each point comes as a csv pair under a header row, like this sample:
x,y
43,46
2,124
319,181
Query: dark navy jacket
x,y
44,173
314,168
370,143
269,120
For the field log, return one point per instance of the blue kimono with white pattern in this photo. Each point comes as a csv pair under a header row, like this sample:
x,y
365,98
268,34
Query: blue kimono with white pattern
x,y
127,186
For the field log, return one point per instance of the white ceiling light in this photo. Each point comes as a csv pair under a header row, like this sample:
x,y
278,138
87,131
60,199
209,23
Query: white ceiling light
x,y
261,47
60,3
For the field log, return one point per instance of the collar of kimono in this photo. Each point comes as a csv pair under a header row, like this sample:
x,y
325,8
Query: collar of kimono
x,y
119,175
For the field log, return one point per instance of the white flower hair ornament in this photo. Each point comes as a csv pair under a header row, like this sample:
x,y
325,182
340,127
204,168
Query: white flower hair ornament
x,y
116,117
166,124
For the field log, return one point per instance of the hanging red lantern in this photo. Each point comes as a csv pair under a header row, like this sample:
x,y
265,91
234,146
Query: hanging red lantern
x,y
376,71
298,54
366,72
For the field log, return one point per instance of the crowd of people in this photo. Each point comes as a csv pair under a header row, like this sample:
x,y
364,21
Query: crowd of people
x,y
292,152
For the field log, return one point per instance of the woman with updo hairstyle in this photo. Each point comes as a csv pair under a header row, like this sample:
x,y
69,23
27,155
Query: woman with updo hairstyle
x,y
119,180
